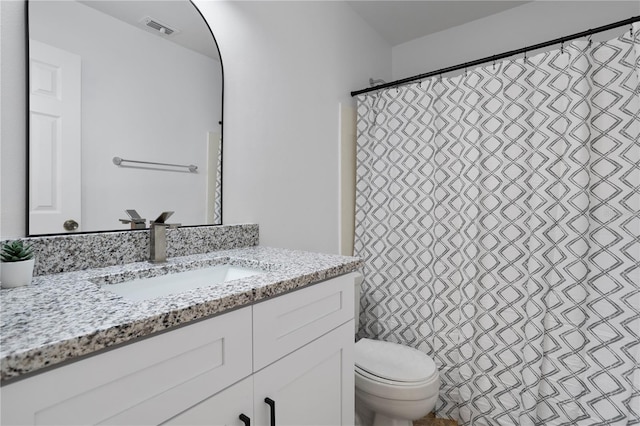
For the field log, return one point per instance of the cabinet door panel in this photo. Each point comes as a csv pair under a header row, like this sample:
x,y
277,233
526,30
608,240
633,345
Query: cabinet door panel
x,y
311,386
223,408
285,323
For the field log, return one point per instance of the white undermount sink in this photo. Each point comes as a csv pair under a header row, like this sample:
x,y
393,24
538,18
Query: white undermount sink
x,y
178,282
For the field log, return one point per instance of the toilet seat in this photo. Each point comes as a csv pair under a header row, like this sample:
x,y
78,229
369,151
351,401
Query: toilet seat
x,y
393,363
382,380
377,363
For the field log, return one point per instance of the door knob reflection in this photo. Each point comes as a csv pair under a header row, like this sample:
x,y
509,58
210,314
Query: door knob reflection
x,y
70,225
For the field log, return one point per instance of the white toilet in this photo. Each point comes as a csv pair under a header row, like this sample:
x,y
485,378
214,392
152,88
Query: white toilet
x,y
395,383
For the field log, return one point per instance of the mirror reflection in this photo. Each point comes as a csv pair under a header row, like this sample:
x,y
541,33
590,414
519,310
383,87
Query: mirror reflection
x,y
138,81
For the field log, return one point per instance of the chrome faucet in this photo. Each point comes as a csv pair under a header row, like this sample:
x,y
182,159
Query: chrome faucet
x,y
158,237
134,219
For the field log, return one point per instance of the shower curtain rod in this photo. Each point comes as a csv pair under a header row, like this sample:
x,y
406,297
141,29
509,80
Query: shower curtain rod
x,y
494,58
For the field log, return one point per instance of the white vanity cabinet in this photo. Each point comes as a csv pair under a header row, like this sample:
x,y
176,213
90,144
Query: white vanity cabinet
x,y
295,349
302,362
303,356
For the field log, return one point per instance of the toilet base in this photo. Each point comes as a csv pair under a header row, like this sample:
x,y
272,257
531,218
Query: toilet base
x,y
364,415
390,412
382,420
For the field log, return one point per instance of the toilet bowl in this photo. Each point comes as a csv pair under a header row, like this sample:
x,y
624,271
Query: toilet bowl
x,y
394,384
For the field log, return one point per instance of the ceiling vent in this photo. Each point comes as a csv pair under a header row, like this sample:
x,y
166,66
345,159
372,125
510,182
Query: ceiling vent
x,y
158,26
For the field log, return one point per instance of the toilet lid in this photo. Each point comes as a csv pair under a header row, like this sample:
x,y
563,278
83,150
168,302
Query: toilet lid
x,y
392,361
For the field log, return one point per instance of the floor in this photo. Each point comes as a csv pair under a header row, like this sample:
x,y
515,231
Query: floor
x,y
430,420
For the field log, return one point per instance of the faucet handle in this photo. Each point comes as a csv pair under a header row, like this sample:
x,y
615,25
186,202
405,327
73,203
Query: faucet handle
x,y
163,216
134,219
133,214
161,220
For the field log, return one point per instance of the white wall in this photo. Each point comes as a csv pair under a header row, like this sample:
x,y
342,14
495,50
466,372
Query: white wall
x,y
526,25
287,66
143,98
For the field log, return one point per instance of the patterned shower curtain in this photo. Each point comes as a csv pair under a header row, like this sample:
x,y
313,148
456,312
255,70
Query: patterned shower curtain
x,y
498,214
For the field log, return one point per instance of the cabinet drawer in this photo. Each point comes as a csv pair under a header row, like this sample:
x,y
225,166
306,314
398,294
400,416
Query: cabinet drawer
x,y
285,323
146,382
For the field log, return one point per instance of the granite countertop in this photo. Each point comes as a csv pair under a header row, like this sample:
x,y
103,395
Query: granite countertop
x,y
63,316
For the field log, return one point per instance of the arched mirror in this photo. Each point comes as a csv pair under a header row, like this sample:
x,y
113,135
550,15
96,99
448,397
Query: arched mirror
x,y
125,113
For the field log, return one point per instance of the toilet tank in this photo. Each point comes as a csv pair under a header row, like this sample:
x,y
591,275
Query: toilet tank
x,y
357,284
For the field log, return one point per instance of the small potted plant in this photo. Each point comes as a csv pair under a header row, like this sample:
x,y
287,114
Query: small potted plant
x,y
16,266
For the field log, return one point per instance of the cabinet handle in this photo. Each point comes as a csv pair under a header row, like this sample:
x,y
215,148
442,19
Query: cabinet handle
x,y
272,404
245,419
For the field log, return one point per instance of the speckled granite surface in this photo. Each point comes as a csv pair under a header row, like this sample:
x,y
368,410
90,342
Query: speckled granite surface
x,y
73,252
63,316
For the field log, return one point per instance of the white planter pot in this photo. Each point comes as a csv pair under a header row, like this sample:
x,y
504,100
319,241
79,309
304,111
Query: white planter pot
x,y
16,274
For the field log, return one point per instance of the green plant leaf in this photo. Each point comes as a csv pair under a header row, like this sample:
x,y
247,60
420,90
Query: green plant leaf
x,y
16,251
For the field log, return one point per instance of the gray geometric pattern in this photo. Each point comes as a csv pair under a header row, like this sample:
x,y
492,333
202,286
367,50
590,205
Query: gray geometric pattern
x,y
217,212
498,214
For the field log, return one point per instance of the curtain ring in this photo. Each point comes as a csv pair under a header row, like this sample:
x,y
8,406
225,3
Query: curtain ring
x,y
590,41
465,71
562,48
525,56
631,30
